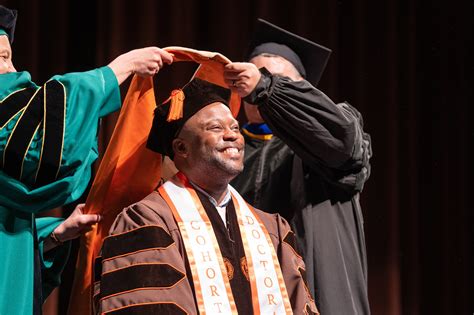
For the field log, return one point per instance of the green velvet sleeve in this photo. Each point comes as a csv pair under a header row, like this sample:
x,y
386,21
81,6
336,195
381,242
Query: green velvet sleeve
x,y
88,97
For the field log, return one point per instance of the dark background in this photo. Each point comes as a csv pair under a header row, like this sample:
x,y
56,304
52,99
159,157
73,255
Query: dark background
x,y
406,65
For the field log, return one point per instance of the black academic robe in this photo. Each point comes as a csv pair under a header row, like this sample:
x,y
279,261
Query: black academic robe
x,y
312,172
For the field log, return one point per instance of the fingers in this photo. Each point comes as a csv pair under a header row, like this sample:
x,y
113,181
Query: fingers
x,y
166,57
159,63
88,219
231,83
233,79
143,62
237,66
80,208
150,60
236,85
162,56
241,71
76,224
232,76
241,77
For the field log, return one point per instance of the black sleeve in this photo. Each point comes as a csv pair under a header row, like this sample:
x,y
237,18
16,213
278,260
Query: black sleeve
x,y
328,137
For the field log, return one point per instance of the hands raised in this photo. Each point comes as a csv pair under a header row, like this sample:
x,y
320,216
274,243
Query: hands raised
x,y
148,61
143,62
242,77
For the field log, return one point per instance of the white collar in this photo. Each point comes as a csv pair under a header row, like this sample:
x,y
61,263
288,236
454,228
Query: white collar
x,y
225,201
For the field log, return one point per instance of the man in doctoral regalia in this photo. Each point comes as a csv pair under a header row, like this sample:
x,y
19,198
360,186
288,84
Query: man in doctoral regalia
x,y
194,245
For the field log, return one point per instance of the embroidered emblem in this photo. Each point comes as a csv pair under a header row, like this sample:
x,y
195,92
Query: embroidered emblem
x,y
229,268
244,267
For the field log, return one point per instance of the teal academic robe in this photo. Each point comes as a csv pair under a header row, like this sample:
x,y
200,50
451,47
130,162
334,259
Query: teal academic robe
x,y
48,141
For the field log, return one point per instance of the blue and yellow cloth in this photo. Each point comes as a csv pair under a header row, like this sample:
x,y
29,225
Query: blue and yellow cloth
x,y
257,131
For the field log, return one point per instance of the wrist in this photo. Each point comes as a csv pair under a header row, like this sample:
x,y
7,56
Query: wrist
x,y
262,89
55,239
130,61
123,66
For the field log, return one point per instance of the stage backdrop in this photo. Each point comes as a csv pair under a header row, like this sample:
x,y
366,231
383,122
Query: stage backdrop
x,y
406,65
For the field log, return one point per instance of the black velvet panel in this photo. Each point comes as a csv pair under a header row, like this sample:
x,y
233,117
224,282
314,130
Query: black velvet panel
x,y
146,309
143,238
97,268
53,137
13,104
32,119
20,138
290,239
138,277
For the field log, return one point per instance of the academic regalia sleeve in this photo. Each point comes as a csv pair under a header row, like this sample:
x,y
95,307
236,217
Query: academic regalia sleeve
x,y
86,96
326,136
74,102
292,265
95,90
53,261
142,267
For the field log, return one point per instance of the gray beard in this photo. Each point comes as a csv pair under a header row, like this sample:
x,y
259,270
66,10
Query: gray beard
x,y
227,167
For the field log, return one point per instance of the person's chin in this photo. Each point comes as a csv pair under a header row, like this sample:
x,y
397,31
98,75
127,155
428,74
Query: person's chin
x,y
235,170
232,169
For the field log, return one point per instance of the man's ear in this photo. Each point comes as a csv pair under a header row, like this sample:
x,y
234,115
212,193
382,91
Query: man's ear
x,y
180,148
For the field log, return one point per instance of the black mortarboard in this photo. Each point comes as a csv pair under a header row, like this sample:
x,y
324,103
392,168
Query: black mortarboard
x,y
194,96
8,21
309,58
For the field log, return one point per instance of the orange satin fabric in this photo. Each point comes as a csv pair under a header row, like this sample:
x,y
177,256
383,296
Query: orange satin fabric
x,y
211,69
128,172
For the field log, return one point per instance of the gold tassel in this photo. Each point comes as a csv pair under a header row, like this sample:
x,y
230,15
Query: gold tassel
x,y
176,107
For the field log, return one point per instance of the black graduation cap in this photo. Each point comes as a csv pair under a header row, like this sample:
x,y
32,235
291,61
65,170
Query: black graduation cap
x,y
8,21
309,58
167,124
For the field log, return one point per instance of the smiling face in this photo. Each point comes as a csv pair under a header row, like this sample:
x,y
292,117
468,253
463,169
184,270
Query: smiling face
x,y
211,144
6,64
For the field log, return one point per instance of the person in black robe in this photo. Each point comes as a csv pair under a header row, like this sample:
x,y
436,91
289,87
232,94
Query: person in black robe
x,y
306,158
